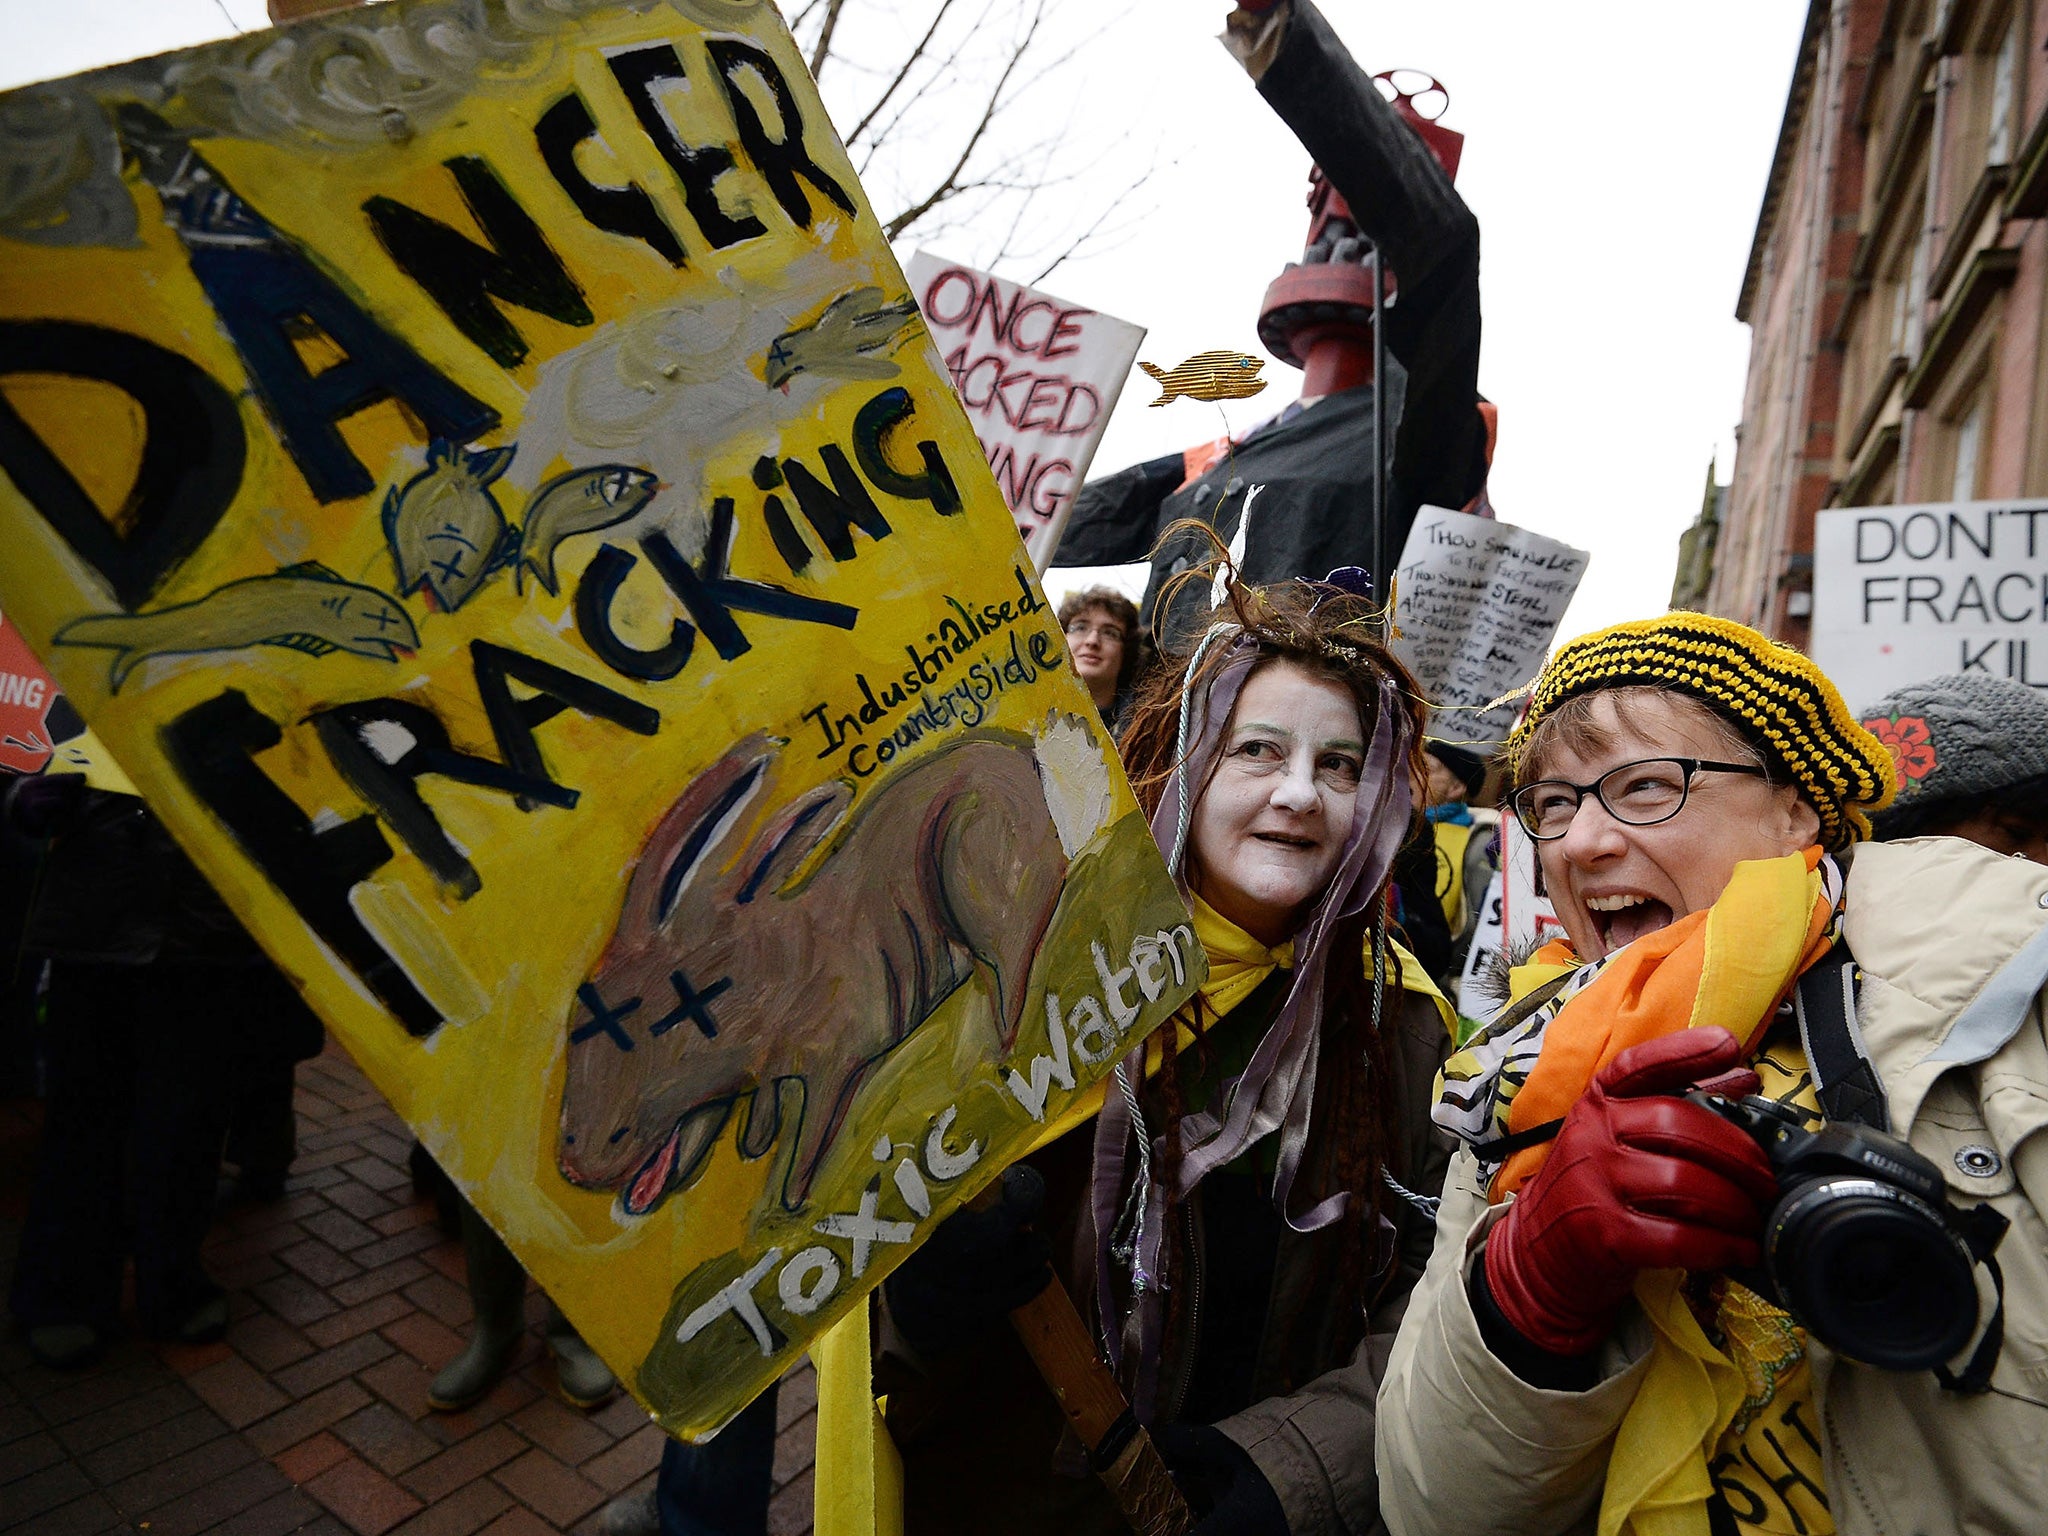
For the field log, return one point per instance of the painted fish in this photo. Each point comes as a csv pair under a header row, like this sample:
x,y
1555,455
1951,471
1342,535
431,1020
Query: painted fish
x,y
1210,376
305,607
446,530
841,342
581,501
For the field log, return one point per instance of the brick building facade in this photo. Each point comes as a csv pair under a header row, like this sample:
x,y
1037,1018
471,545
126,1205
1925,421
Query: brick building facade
x,y
1895,286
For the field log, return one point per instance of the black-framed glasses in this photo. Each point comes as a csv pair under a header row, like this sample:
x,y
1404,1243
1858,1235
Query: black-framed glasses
x,y
1640,794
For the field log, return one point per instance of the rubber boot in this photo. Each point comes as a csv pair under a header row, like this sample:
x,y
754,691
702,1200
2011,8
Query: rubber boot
x,y
65,1346
633,1514
497,1289
583,1380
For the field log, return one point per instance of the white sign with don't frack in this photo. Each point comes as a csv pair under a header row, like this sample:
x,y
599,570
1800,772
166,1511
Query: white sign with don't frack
x,y
1039,377
1476,604
1902,594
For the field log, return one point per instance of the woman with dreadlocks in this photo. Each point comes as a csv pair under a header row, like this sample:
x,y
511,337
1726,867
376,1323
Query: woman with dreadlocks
x,y
1257,1205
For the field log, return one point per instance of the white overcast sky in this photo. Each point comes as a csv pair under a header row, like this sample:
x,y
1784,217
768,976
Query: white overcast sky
x,y
1615,154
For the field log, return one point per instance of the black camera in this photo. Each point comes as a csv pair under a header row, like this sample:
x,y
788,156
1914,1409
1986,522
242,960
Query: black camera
x,y
1863,1247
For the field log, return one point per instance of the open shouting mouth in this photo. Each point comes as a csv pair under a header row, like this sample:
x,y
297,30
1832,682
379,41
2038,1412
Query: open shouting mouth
x,y
1625,916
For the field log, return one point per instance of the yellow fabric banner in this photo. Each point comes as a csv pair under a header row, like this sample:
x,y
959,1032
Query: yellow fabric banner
x,y
858,1482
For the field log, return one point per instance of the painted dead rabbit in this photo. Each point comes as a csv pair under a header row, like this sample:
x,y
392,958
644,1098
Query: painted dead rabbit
x,y
729,983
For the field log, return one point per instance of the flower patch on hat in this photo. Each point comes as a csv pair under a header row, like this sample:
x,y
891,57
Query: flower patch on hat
x,y
1910,743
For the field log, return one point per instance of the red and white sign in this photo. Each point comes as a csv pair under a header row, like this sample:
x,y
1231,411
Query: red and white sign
x,y
1039,377
26,694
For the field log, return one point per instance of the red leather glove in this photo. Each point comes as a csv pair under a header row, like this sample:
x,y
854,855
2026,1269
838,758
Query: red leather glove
x,y
1257,7
1638,1179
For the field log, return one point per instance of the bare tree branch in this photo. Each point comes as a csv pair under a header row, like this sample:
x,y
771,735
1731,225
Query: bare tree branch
x,y
902,74
1075,245
973,117
940,71
822,49
948,186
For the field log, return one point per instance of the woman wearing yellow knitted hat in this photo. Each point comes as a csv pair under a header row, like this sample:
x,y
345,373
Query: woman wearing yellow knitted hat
x,y
1746,1231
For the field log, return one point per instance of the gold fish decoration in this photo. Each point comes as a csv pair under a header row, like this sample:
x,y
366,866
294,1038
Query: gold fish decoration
x,y
843,342
581,501
305,607
1210,376
446,530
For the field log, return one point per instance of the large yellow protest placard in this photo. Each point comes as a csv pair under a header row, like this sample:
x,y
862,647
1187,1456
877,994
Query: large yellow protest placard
x,y
480,469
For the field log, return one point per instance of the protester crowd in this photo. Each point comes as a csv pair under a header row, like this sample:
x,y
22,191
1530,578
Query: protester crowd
x,y
1731,1219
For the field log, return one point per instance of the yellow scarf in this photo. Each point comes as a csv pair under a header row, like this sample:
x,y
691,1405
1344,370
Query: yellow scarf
x,y
1730,965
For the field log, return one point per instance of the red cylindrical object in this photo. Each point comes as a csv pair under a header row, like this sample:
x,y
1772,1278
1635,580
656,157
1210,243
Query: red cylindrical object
x,y
1317,313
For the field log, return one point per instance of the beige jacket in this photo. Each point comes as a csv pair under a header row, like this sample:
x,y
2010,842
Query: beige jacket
x,y
1953,944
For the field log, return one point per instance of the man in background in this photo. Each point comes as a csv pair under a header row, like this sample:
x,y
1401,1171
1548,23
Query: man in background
x,y
1101,625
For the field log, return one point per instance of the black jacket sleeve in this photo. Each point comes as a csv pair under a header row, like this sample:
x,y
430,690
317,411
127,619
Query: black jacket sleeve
x,y
1403,202
1114,518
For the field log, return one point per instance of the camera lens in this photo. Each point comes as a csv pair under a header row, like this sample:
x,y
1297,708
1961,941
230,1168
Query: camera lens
x,y
1873,1273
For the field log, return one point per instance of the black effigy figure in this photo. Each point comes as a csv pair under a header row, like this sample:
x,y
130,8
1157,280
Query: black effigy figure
x,y
1308,476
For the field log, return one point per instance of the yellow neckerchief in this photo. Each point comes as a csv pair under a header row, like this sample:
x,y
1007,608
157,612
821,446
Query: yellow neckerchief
x,y
1553,960
1238,963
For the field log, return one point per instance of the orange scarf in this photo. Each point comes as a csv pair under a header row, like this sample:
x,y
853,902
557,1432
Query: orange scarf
x,y
1731,965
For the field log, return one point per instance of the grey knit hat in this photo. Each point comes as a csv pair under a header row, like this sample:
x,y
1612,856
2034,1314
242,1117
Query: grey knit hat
x,y
1954,738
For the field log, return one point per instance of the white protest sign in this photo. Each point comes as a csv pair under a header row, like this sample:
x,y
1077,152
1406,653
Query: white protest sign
x,y
1039,377
1478,988
1477,603
1514,922
1901,594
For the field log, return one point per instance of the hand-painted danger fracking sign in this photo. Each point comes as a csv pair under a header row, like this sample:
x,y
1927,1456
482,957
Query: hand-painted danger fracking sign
x,y
482,472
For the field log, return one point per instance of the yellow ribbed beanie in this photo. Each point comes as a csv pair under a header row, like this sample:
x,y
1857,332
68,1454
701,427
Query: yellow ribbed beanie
x,y
1774,694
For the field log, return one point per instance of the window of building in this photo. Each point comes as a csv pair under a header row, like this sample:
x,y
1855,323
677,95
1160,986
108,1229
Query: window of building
x,y
1969,449
1895,345
2005,93
1915,291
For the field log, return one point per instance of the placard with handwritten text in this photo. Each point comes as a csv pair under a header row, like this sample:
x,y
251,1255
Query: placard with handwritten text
x,y
1476,606
1039,377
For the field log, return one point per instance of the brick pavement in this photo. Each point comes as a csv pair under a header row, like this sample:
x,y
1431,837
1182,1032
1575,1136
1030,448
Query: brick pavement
x,y
311,1415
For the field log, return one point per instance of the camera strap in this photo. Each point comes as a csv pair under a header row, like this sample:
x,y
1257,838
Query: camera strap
x,y
1843,1079
1980,1228
1848,1089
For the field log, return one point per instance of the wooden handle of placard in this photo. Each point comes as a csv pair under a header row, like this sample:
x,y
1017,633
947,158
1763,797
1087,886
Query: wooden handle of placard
x,y
1120,1451
1122,1454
